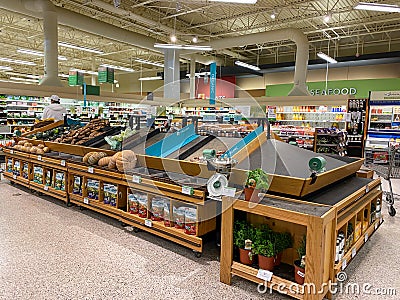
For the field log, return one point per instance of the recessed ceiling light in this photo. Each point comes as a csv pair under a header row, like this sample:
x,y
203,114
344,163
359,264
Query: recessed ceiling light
x,y
195,39
173,38
68,45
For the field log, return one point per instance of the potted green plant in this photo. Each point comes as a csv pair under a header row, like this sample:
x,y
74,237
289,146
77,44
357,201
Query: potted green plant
x,y
242,238
257,180
300,264
266,255
283,240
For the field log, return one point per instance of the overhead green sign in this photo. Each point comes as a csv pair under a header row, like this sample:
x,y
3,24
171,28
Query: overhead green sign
x,y
106,75
75,78
353,88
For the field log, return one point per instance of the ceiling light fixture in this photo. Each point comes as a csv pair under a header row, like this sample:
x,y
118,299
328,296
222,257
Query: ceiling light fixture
x,y
145,61
327,58
17,61
195,39
118,68
200,74
85,71
150,78
236,1
67,45
327,17
173,38
5,68
248,66
377,7
24,79
23,75
183,47
63,75
38,53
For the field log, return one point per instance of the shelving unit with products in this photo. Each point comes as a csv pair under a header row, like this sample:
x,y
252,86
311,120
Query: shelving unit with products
x,y
331,141
357,126
304,135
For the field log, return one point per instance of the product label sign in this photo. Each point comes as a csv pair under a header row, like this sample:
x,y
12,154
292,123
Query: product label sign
x,y
148,223
63,163
39,157
11,151
344,264
136,179
376,226
187,190
353,252
14,176
46,188
381,220
229,191
264,275
367,188
91,170
366,238
86,200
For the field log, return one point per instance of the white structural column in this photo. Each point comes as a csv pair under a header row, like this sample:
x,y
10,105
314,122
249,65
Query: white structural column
x,y
172,86
93,68
192,77
50,28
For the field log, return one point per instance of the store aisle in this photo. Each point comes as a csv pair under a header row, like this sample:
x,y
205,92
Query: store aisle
x,y
48,251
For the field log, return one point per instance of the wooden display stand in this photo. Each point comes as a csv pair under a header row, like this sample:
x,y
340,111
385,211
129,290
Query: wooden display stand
x,y
321,225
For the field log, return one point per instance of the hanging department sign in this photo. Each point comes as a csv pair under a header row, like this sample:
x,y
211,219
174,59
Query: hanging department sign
x,y
75,78
333,91
105,75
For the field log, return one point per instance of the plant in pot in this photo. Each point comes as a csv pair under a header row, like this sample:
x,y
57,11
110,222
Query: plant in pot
x,y
266,254
242,238
300,264
283,240
257,180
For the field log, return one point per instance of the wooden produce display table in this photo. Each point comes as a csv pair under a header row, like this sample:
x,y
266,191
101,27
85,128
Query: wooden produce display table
x,y
321,217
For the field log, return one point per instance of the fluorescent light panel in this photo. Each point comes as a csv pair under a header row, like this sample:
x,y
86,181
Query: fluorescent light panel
x,y
17,61
63,75
118,68
85,72
63,44
24,75
327,58
145,61
37,53
377,7
183,47
248,66
6,68
24,79
199,74
150,78
236,1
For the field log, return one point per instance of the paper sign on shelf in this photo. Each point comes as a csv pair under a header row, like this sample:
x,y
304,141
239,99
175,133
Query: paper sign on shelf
x,y
86,200
376,226
228,191
14,176
366,238
187,190
367,188
11,151
264,275
46,188
148,223
136,179
63,163
353,252
344,264
91,170
39,157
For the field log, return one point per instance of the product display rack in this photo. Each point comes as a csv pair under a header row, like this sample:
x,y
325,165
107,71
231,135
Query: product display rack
x,y
330,141
357,126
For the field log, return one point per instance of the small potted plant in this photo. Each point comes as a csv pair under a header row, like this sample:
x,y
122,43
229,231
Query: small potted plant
x,y
283,241
266,255
242,238
300,264
257,180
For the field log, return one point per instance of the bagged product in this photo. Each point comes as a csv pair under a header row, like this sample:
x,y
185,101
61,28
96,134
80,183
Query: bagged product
x,y
59,182
9,165
48,178
157,208
16,168
167,214
190,220
113,191
25,171
106,192
133,203
38,175
93,189
179,217
77,190
142,198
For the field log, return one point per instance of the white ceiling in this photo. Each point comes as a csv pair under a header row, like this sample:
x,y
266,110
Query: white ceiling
x,y
348,32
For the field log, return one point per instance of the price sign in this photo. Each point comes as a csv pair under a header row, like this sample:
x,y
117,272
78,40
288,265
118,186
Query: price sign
x,y
14,176
229,191
366,238
353,252
63,163
344,264
136,179
91,170
381,220
367,188
264,275
376,226
11,151
39,157
86,200
46,188
148,223
187,190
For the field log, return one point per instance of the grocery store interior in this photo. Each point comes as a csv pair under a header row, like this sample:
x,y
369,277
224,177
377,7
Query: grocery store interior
x,y
199,149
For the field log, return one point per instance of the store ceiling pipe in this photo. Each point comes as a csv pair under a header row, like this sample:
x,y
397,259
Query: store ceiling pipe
x,y
296,35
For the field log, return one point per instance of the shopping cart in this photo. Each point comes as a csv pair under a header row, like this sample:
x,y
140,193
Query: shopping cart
x,y
386,164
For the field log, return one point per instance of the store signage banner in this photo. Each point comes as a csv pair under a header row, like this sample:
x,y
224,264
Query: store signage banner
x,y
385,95
105,75
213,82
352,88
75,78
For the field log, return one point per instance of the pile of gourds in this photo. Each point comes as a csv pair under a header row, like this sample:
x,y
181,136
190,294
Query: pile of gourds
x,y
30,148
122,161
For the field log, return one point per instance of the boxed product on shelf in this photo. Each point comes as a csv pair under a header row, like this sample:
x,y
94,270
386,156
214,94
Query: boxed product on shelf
x,y
168,222
93,189
16,168
179,217
143,204
110,194
48,178
133,203
190,220
157,209
77,190
9,165
38,174
25,170
59,181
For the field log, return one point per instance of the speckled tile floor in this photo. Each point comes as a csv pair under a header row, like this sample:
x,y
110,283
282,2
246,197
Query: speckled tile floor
x,y
49,251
